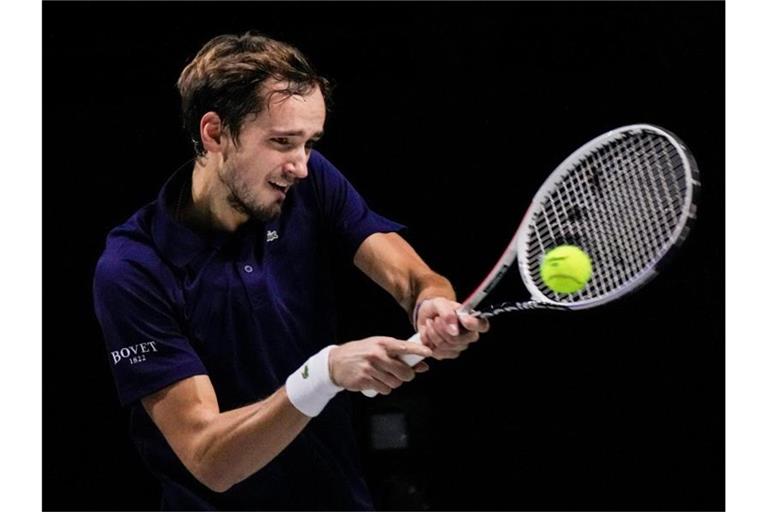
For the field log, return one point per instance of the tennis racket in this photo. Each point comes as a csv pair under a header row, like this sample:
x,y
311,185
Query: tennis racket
x,y
627,198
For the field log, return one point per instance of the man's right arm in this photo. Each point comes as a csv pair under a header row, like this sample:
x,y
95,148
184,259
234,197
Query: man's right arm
x,y
222,449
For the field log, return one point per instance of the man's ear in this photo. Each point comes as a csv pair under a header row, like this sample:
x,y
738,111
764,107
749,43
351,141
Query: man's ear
x,y
212,133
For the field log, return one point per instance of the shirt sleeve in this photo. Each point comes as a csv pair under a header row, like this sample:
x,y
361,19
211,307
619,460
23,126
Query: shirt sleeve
x,y
146,348
345,210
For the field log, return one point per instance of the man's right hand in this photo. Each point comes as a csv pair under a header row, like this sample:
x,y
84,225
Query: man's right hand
x,y
374,363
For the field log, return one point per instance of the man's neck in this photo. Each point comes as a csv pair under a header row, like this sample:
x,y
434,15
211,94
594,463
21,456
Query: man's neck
x,y
207,208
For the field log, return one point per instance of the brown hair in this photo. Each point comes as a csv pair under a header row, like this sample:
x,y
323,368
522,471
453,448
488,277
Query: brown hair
x,y
227,77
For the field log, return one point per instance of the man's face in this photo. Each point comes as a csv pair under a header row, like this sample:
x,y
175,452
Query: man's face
x,y
272,153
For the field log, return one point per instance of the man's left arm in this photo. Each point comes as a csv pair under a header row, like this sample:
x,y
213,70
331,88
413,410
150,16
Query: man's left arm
x,y
395,266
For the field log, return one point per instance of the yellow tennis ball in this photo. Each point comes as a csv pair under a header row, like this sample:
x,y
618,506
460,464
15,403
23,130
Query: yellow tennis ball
x,y
566,269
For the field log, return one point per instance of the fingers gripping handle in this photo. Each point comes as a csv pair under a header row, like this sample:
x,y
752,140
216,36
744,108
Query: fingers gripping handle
x,y
409,359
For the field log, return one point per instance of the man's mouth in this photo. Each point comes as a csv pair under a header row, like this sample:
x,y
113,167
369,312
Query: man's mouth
x,y
280,186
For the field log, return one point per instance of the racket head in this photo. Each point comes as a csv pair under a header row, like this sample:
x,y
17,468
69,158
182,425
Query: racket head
x,y
627,198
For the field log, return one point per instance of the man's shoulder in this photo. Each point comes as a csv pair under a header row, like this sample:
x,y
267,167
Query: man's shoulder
x,y
324,175
317,159
130,247
320,164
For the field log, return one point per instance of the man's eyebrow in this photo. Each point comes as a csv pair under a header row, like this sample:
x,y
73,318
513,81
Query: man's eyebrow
x,y
294,133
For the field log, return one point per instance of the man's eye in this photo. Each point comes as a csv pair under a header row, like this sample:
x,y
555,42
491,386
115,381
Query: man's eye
x,y
282,141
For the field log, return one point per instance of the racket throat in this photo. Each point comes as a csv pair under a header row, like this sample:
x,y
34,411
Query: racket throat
x,y
505,307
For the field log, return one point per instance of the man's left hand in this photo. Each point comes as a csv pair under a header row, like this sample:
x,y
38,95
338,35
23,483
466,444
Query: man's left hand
x,y
446,331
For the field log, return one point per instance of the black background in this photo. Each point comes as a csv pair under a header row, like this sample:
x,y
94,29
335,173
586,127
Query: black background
x,y
447,117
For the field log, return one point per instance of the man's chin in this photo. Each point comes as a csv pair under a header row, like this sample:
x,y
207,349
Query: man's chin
x,y
260,213
265,214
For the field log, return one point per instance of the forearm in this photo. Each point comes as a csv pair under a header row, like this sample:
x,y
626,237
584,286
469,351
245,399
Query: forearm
x,y
237,443
393,264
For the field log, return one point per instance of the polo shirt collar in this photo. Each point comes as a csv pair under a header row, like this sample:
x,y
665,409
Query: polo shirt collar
x,y
175,241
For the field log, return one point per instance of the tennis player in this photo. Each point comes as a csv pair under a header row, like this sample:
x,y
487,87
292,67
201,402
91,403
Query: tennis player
x,y
216,302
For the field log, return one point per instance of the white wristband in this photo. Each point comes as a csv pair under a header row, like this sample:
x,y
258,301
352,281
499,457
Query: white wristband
x,y
310,387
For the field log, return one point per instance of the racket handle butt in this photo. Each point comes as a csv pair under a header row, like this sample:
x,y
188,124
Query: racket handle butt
x,y
409,359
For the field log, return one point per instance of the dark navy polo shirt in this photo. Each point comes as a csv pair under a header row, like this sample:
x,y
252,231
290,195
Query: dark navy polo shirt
x,y
247,309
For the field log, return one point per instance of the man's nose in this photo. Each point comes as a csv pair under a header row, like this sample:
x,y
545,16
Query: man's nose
x,y
297,167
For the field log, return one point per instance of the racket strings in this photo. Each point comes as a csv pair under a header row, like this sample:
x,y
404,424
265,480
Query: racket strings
x,y
631,196
620,234
630,241
655,207
621,203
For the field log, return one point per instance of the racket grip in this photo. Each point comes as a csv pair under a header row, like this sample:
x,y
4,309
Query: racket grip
x,y
409,359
